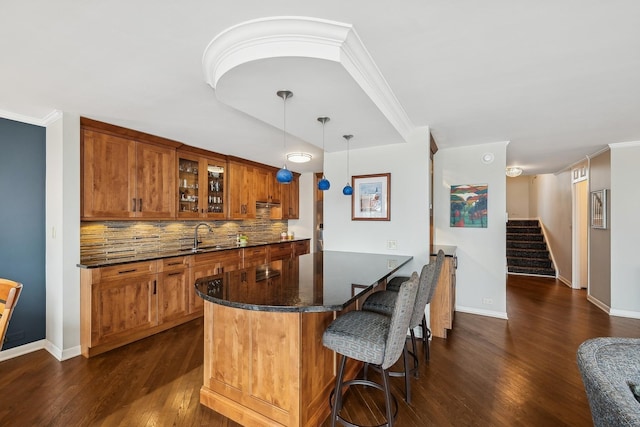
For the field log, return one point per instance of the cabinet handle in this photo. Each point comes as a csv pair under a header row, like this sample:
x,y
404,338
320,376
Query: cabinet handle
x,y
155,287
140,207
174,274
134,204
174,263
127,271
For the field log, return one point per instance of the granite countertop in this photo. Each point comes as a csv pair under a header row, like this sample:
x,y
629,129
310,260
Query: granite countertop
x,y
317,282
150,256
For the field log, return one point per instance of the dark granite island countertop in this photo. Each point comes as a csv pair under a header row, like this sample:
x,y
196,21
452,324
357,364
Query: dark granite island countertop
x,y
322,281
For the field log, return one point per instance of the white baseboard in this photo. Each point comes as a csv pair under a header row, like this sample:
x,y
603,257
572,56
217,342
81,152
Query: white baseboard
x,y
565,281
602,306
624,313
40,345
481,312
22,350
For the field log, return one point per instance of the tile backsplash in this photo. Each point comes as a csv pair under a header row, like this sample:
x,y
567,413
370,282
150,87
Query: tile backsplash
x,y
121,239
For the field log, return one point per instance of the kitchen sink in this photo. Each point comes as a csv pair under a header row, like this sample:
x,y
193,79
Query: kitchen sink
x,y
206,248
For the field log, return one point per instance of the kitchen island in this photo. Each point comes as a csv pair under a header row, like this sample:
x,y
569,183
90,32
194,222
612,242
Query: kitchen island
x,y
264,362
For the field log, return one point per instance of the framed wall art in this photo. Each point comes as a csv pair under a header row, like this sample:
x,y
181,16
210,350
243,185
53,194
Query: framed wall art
x,y
599,209
469,206
371,200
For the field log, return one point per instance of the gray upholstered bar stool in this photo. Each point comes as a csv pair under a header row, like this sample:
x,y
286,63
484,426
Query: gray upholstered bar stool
x,y
371,338
382,301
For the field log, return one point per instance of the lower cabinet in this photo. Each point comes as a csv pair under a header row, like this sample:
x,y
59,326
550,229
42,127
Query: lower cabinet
x,y
128,302
443,303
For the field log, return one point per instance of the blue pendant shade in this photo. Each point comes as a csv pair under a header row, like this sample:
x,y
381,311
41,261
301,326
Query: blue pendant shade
x,y
348,189
284,175
323,184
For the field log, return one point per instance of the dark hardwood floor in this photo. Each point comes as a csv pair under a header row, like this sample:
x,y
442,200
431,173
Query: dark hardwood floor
x,y
488,372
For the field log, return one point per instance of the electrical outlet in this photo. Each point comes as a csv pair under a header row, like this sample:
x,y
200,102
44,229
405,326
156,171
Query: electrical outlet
x,y
392,244
487,301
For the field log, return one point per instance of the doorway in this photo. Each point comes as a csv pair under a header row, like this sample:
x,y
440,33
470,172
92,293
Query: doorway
x,y
580,229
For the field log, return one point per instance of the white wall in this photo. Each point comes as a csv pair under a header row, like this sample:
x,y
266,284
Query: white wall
x,y
518,197
481,274
63,237
303,227
625,232
551,201
408,164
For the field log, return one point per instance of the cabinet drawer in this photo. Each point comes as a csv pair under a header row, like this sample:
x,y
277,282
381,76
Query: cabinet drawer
x,y
176,263
280,251
301,247
231,257
128,270
254,255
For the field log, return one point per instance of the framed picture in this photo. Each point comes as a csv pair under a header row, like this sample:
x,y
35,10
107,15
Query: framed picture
x,y
371,197
599,209
469,206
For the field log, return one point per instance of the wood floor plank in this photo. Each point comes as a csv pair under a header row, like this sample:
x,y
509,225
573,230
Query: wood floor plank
x,y
488,372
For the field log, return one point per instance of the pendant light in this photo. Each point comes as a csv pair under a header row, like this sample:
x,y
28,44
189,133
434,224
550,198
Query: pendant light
x,y
348,189
284,175
324,183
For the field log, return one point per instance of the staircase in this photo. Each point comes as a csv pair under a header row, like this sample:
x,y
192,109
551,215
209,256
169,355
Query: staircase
x,y
527,251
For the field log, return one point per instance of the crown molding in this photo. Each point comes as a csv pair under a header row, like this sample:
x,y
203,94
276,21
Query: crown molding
x,y
304,37
44,121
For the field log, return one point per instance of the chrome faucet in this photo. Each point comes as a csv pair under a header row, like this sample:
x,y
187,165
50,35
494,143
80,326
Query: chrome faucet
x,y
195,235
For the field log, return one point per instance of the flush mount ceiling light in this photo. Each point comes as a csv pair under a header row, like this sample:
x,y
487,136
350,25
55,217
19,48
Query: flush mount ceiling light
x,y
284,175
324,183
299,157
513,171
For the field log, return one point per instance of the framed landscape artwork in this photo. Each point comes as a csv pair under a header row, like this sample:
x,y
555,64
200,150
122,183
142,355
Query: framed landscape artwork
x,y
371,197
469,206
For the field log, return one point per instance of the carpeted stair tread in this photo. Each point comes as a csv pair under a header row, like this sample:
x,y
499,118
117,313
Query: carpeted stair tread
x,y
527,251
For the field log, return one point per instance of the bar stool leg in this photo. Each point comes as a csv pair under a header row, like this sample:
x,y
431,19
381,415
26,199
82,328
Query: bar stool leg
x,y
426,334
387,396
337,392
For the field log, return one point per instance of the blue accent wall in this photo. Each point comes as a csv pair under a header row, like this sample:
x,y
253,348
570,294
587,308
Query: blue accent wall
x,y
22,226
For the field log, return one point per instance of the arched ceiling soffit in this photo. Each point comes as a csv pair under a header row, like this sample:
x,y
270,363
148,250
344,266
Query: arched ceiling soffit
x,y
323,63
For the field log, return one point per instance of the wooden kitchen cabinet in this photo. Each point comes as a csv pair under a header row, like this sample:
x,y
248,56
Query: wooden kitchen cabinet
x,y
443,302
242,196
202,188
118,305
268,189
127,302
210,264
173,289
124,177
291,199
255,255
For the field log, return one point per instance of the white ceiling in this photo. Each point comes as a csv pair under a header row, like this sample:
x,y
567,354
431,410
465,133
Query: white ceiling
x,y
558,79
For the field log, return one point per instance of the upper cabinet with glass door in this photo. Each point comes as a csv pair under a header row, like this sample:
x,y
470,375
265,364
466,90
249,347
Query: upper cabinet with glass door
x,y
201,186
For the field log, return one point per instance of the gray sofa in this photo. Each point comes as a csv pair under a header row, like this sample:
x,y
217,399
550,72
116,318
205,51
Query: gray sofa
x,y
610,369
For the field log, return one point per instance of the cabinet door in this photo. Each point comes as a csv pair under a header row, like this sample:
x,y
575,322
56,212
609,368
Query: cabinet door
x,y
262,178
173,295
189,183
291,199
155,182
123,307
108,176
242,200
211,264
213,189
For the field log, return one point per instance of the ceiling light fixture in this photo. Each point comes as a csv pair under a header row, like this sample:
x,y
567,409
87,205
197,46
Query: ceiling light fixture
x,y
299,157
513,171
348,189
284,175
324,183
